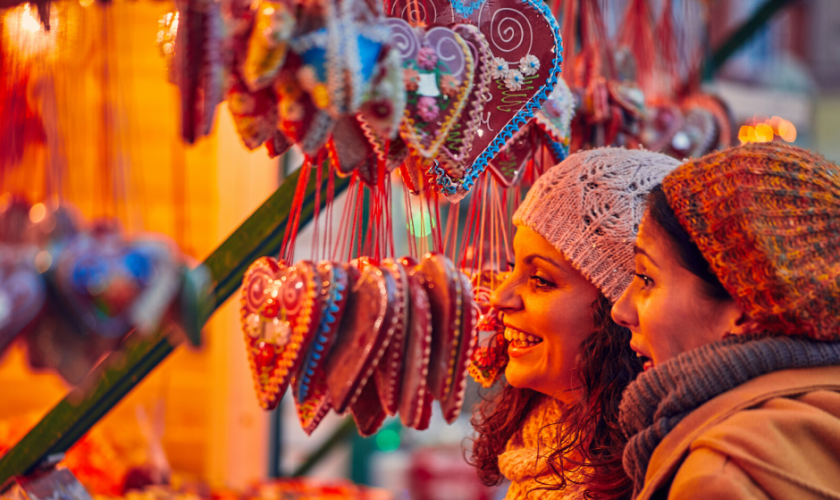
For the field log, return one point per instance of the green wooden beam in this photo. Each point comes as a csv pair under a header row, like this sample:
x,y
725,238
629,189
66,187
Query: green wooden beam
x,y
741,36
261,234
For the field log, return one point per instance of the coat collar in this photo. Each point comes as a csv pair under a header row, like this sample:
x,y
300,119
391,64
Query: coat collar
x,y
671,451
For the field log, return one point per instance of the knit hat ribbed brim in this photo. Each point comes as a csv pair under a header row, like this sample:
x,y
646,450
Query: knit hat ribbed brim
x,y
766,216
589,208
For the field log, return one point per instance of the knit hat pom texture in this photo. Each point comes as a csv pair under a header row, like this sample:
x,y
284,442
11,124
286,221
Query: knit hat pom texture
x,y
589,208
766,216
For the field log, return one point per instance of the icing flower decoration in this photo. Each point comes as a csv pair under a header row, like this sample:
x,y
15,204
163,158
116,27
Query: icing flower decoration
x,y
427,108
449,85
307,78
499,68
514,80
412,79
426,58
529,65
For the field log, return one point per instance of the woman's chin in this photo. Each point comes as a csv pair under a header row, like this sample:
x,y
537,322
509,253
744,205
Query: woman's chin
x,y
521,377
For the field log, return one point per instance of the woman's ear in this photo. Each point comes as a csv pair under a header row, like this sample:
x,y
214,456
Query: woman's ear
x,y
742,324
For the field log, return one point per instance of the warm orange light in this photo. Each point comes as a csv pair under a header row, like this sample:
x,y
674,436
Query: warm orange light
x,y
746,134
763,133
787,131
37,213
28,21
22,29
86,3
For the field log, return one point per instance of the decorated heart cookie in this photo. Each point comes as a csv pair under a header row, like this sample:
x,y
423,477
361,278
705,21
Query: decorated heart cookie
x,y
280,312
367,410
350,150
267,46
334,292
451,405
458,142
389,373
415,388
438,71
555,120
489,358
441,282
525,41
315,407
254,113
509,165
363,338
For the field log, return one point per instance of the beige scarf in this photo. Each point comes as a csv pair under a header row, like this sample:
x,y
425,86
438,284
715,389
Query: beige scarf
x,y
524,460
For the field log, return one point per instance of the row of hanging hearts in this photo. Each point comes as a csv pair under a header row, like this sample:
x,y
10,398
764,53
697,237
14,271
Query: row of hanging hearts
x,y
440,80
374,340
72,293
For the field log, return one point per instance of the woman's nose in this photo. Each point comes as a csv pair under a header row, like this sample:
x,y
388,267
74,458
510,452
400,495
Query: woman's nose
x,y
624,311
505,297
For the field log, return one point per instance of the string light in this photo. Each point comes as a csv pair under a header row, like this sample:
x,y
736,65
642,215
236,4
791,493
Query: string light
x,y
768,130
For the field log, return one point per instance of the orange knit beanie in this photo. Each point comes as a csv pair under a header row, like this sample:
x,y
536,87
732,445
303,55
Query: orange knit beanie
x,y
766,216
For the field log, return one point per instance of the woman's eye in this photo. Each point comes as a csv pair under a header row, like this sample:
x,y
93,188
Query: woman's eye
x,y
541,282
511,265
646,280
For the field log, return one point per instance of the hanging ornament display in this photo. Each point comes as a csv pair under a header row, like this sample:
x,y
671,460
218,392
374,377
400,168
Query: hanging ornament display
x,y
457,86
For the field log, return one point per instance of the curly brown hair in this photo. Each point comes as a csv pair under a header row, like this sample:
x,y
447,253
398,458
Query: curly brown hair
x,y
592,442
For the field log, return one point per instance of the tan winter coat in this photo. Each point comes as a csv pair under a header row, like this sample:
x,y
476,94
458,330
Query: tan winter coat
x,y
774,437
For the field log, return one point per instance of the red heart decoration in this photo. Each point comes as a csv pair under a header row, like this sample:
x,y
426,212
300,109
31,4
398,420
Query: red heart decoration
x,y
451,405
367,410
458,143
415,390
334,290
441,282
363,337
438,70
280,311
515,30
389,371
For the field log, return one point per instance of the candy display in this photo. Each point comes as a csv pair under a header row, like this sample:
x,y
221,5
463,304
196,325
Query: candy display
x,y
371,340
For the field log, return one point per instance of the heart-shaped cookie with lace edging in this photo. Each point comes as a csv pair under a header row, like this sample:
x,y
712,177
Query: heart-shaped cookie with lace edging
x,y
458,142
508,166
389,372
451,405
363,336
315,407
333,286
280,311
367,410
443,286
527,49
415,388
438,71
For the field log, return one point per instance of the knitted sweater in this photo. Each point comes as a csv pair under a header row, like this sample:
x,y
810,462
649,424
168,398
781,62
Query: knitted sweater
x,y
660,398
524,460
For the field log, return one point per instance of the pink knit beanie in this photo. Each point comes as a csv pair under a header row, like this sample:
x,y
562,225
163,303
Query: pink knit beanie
x,y
589,207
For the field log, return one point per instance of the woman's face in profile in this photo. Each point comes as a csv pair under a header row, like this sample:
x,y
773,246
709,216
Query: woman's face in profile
x,y
666,306
548,311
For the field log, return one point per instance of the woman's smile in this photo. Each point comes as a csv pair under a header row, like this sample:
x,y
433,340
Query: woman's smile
x,y
520,342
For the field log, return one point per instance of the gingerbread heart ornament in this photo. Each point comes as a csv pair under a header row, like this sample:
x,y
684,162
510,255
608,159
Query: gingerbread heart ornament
x,y
459,141
280,311
438,71
363,337
525,42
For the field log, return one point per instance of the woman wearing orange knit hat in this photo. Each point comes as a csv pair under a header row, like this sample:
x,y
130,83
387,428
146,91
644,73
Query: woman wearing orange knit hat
x,y
735,312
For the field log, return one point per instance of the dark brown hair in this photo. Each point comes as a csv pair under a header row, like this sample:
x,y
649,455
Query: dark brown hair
x,y
592,442
688,255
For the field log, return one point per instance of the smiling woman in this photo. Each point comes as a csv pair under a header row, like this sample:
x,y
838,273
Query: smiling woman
x,y
551,428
